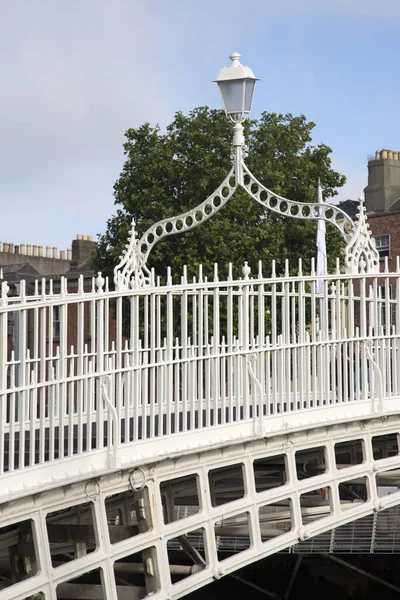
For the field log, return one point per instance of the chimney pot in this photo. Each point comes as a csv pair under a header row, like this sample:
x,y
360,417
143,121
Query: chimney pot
x,y
29,249
384,154
5,247
35,250
40,250
55,252
22,249
69,254
377,155
62,254
390,154
395,156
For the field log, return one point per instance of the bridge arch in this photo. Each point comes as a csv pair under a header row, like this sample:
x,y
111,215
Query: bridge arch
x,y
175,525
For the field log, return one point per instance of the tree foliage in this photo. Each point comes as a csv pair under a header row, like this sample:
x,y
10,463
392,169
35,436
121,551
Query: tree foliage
x,y
168,173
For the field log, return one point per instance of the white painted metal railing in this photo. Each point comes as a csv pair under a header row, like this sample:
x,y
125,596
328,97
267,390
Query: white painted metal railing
x,y
87,369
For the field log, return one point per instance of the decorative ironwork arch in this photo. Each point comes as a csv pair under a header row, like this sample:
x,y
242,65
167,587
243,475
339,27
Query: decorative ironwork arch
x,y
131,271
361,254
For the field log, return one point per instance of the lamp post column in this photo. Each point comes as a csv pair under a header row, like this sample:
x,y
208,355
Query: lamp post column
x,y
238,143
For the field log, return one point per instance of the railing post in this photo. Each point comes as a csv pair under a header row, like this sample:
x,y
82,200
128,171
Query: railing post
x,y
244,339
3,372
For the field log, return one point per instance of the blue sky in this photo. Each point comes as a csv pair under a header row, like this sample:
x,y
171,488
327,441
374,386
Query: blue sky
x,y
75,75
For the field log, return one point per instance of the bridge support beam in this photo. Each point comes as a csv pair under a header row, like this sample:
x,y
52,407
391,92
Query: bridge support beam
x,y
363,572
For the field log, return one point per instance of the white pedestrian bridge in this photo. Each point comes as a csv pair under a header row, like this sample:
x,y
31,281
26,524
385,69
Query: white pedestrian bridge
x,y
145,430
156,435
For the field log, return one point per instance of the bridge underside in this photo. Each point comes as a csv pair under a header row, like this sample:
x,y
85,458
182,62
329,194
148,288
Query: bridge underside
x,y
170,527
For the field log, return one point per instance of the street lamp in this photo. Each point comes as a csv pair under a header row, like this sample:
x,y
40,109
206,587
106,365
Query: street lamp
x,y
236,85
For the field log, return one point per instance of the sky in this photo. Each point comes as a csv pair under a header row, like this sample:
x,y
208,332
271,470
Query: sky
x,y
76,74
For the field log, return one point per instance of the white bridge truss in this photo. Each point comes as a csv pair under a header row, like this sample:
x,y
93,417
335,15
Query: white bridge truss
x,y
169,527
154,439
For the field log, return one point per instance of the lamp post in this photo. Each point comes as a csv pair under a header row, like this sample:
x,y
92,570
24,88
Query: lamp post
x,y
236,84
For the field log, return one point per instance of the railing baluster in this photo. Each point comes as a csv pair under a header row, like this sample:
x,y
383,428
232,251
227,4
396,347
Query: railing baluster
x,y
181,362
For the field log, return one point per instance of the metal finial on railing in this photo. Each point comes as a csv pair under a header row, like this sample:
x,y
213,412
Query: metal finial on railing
x,y
99,282
246,270
5,288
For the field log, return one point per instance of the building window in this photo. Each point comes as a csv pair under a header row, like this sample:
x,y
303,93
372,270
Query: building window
x,y
56,322
382,245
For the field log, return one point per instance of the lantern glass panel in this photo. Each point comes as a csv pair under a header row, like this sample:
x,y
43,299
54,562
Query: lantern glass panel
x,y
248,96
232,95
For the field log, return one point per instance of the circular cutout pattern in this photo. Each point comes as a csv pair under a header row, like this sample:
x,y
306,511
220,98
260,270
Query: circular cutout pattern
x,y
263,196
305,211
198,216
150,238
225,192
143,248
338,219
168,227
273,202
329,213
246,179
208,209
159,231
283,207
254,188
178,225
294,210
217,201
189,221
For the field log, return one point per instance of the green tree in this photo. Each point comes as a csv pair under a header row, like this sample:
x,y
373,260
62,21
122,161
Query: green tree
x,y
168,173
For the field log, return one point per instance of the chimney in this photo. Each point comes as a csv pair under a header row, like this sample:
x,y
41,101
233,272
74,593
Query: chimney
x,y
383,180
82,250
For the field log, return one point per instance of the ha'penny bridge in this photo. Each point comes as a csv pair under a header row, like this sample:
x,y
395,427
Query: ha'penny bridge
x,y
156,435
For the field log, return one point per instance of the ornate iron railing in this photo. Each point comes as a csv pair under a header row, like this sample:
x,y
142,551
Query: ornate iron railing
x,y
84,371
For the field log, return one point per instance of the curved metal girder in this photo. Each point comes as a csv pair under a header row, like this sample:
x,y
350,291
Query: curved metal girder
x,y
360,253
131,271
298,210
